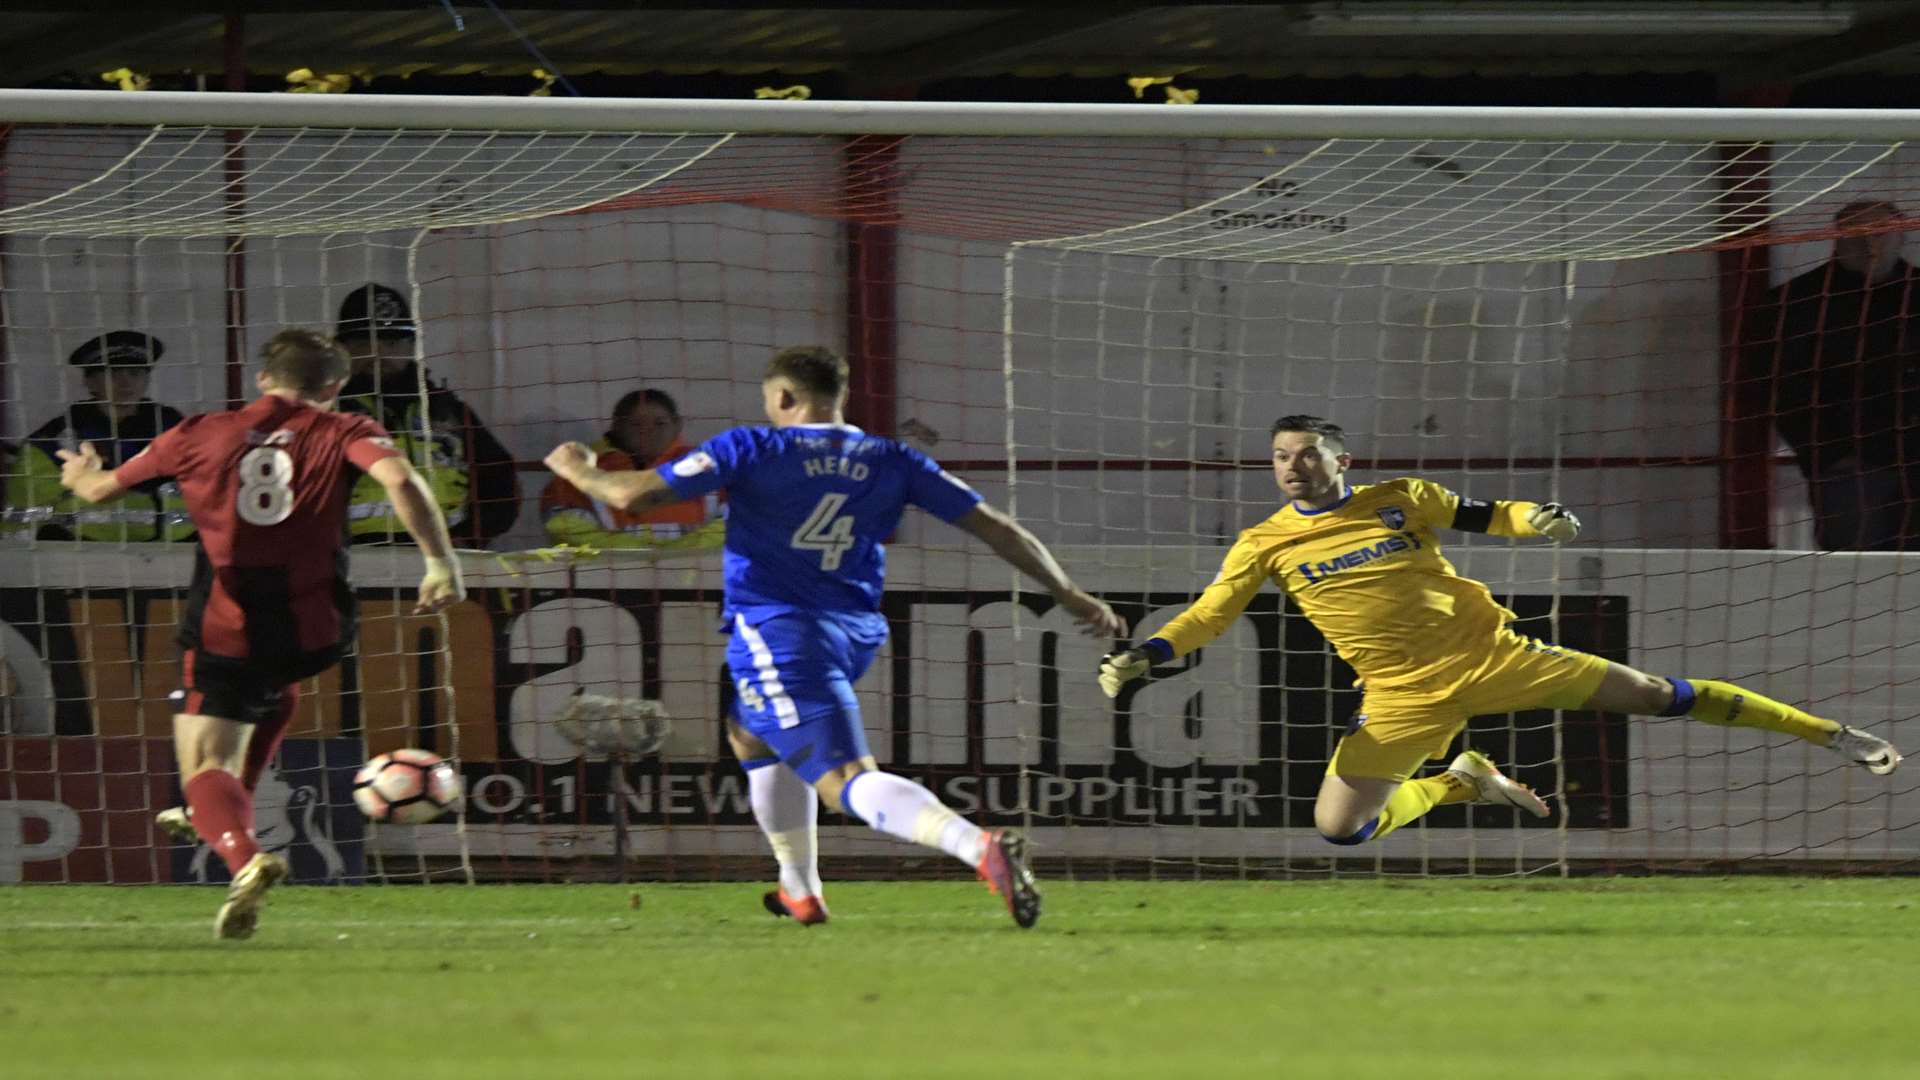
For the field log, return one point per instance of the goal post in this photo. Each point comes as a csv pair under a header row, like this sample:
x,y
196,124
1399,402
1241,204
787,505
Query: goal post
x,y
1093,313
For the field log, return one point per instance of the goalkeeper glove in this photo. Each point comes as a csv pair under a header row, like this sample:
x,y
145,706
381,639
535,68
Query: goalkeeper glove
x,y
1119,669
1554,522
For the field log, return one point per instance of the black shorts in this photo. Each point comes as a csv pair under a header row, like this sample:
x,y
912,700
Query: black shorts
x,y
246,691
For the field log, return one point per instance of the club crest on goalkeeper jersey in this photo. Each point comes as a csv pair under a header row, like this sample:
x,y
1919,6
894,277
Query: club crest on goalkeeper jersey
x,y
1367,571
809,508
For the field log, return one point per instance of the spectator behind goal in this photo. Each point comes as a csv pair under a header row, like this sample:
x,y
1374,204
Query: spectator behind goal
x,y
119,420
644,434
469,472
1844,337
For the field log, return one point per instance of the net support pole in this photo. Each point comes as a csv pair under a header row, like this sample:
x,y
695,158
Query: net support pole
x,y
1746,432
873,317
236,244
622,819
1746,401
6,326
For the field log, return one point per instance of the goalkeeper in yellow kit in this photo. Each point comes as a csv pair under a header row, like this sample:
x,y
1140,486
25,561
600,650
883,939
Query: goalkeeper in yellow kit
x,y
1431,648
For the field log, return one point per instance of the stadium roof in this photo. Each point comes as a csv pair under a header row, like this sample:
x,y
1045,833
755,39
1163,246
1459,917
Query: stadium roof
x,y
874,48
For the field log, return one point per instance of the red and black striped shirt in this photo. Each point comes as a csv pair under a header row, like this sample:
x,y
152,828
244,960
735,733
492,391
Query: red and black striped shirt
x,y
267,488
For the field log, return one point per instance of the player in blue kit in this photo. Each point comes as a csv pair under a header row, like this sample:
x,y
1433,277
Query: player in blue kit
x,y
810,501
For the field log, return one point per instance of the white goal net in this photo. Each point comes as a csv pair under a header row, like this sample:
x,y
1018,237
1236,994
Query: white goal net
x,y
1092,315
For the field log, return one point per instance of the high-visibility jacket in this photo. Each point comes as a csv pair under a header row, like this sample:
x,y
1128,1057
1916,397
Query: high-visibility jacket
x,y
36,504
573,517
469,473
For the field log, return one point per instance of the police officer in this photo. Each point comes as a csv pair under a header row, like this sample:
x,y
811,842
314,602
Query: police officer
x,y
119,419
471,475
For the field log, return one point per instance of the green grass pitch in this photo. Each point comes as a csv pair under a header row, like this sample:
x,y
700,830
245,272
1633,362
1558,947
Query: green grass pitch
x,y
1656,979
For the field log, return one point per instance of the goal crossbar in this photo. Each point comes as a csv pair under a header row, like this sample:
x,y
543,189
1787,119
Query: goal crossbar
x,y
948,118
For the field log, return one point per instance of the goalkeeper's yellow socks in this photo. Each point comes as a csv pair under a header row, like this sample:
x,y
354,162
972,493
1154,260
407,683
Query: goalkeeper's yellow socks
x,y
1723,703
1412,799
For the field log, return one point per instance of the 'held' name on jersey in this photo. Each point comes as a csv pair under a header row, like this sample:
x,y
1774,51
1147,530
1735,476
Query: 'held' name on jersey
x,y
835,466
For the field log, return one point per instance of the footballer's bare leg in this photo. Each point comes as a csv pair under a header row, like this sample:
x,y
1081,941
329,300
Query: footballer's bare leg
x,y
203,744
1623,689
1626,690
785,808
1347,810
263,741
1369,791
212,751
902,808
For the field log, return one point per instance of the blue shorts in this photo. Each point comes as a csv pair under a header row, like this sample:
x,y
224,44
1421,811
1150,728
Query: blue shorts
x,y
793,679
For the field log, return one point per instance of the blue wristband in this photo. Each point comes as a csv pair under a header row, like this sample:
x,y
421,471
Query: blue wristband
x,y
1159,650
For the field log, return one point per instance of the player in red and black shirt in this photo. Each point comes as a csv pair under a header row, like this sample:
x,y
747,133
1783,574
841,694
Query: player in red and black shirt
x,y
270,604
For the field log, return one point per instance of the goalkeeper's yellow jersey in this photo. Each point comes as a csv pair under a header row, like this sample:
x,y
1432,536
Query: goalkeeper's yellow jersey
x,y
1367,571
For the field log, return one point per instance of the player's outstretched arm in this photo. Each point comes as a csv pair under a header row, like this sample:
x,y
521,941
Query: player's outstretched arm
x,y
1501,517
441,586
85,475
627,490
1011,541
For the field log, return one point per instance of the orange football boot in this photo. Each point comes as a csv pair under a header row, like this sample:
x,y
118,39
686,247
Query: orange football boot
x,y
807,910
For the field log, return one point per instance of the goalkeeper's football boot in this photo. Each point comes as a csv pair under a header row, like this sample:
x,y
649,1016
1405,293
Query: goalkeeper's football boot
x,y
241,913
1876,753
177,822
1480,771
805,910
1004,869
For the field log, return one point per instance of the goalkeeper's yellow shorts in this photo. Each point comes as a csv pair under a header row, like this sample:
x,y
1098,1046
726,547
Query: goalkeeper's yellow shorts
x,y
1400,728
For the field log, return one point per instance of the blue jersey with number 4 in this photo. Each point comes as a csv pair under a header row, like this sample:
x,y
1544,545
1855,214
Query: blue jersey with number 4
x,y
808,508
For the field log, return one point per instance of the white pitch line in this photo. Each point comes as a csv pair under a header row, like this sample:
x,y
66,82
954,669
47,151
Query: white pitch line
x,y
295,920
986,913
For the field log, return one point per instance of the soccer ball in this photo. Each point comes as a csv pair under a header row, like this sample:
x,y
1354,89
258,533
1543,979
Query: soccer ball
x,y
406,787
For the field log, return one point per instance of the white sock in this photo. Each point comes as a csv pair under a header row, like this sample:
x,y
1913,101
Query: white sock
x,y
787,811
899,807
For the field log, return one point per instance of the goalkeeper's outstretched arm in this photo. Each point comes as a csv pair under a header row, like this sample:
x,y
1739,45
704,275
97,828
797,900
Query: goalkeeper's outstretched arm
x,y
1024,552
1241,577
1514,518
